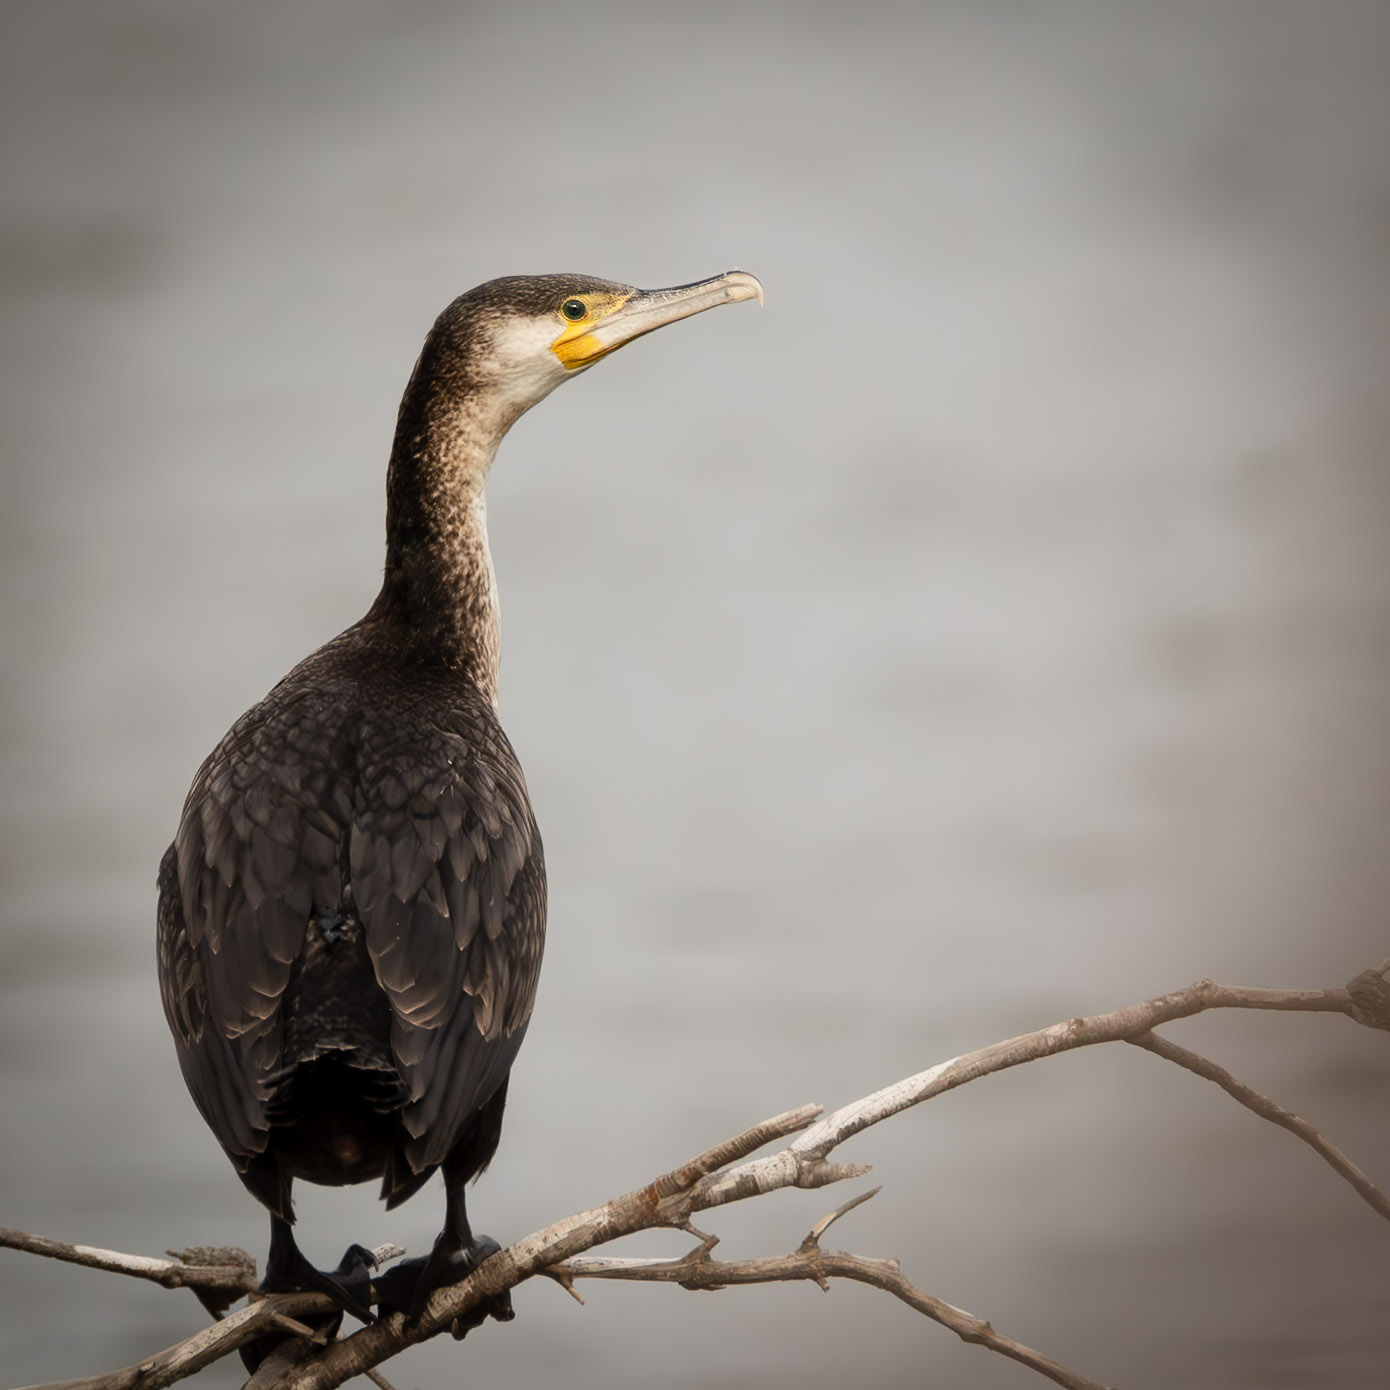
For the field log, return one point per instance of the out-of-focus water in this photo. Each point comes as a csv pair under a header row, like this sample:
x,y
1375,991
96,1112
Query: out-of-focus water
x,y
996,628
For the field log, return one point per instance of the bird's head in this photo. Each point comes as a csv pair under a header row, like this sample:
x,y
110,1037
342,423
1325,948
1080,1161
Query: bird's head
x,y
516,339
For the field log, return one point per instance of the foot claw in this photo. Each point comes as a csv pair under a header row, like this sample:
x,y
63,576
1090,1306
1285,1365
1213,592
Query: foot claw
x,y
355,1259
499,1306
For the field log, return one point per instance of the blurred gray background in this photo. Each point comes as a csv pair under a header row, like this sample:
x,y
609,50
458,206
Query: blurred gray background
x,y
995,628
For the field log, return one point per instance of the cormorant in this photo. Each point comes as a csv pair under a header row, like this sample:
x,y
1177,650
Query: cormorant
x,y
352,912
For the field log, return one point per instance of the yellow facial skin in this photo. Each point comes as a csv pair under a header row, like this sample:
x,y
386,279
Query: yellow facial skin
x,y
576,346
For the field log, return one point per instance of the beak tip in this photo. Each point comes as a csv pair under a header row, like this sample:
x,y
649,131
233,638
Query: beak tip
x,y
745,286
643,311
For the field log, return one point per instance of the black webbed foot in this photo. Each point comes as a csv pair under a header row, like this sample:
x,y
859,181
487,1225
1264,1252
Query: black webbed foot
x,y
406,1287
349,1286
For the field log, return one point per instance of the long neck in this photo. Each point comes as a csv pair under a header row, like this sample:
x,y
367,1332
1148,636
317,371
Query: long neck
x,y
438,599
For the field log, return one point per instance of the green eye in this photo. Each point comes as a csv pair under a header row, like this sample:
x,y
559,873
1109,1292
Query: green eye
x,y
574,309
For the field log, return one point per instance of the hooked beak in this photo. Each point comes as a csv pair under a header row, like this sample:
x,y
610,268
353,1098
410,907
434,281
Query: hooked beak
x,y
646,310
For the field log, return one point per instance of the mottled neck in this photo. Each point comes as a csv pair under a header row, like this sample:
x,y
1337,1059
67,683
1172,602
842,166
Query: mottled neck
x,y
438,599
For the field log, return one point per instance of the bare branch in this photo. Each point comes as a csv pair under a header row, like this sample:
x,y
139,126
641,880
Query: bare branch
x,y
810,1262
707,1181
1269,1110
220,1270
802,1162
194,1353
695,1186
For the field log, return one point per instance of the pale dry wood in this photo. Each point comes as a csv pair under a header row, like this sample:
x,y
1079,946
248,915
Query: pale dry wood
x,y
802,1163
707,1181
234,1272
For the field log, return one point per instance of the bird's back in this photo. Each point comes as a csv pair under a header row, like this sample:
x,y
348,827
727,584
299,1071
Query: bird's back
x,y
351,921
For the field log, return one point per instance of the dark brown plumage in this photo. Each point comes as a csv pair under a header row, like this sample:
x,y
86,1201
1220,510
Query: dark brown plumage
x,y
352,912
357,879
